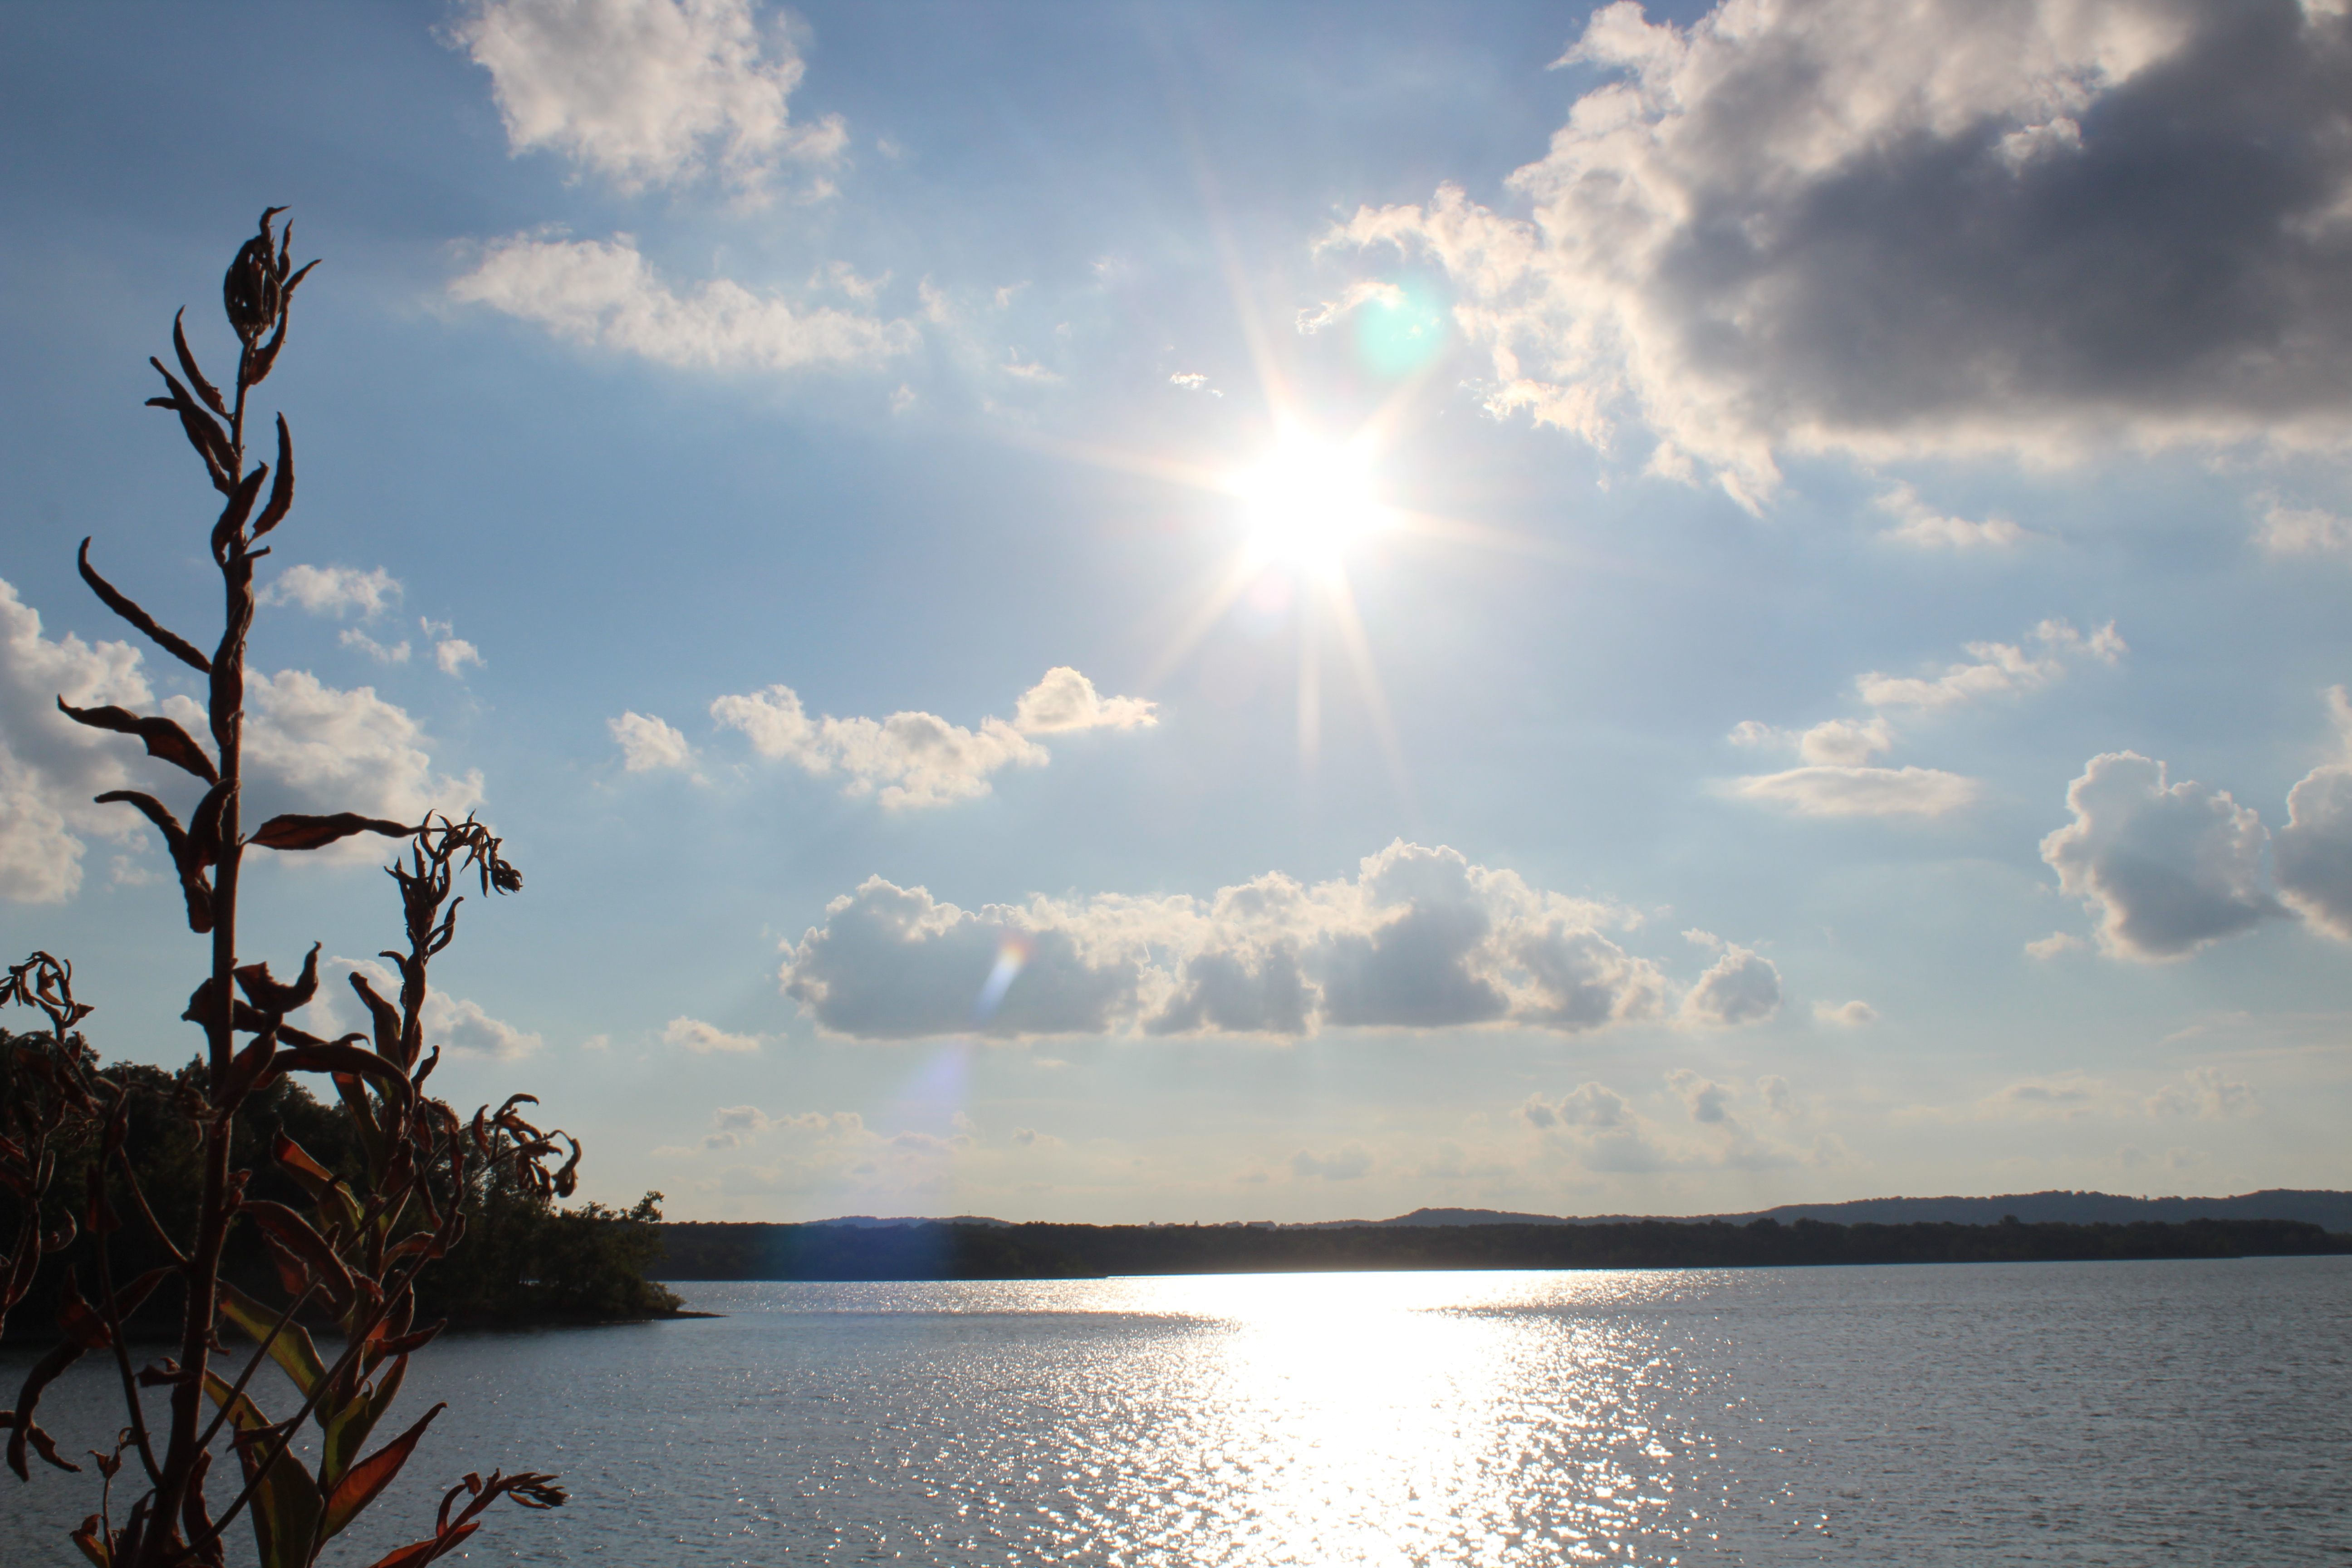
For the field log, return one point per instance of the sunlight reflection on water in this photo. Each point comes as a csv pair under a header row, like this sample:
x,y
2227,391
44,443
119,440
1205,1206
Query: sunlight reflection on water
x,y
2115,1413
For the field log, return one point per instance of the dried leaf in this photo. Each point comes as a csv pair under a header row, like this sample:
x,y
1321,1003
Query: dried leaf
x,y
417,1554
25,1429
290,1230
275,996
230,526
204,389
281,489
298,832
184,859
165,739
114,599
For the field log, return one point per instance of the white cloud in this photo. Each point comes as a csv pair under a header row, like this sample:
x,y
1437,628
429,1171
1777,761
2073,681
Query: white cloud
x,y
1852,1015
394,653
1997,668
1419,939
49,765
1066,700
907,758
648,92
453,1025
1587,1105
454,654
603,294
919,759
2207,1094
331,590
2166,869
694,1034
2314,848
1916,522
308,747
647,743
1740,987
1860,792
1838,783
1705,1099
1895,230
313,747
2302,531
2057,942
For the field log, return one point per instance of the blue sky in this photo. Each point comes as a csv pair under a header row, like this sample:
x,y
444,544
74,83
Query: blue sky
x,y
1238,612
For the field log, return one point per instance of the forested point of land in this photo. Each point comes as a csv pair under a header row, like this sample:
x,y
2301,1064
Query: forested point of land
x,y
711,1251
523,1260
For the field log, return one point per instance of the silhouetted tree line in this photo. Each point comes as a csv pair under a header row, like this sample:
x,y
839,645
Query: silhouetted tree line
x,y
523,1259
944,1251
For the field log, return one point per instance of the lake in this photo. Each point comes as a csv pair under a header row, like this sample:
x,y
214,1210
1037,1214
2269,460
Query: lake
x,y
2097,1412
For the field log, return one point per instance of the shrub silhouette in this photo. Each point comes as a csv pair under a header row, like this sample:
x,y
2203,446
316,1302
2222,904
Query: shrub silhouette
x,y
370,1229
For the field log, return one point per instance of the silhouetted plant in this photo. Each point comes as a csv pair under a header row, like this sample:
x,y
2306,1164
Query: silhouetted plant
x,y
357,1256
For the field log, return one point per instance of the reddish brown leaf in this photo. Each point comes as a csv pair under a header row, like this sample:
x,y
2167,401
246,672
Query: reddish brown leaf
x,y
281,489
114,599
416,1553
368,1478
165,739
298,832
204,389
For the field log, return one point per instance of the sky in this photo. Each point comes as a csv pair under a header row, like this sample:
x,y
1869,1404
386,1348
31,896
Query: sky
x,y
1185,613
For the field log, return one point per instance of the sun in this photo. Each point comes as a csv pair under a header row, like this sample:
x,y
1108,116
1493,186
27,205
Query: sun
x,y
1308,503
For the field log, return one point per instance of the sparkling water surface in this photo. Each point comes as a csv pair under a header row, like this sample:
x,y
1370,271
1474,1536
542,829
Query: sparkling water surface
x,y
2110,1413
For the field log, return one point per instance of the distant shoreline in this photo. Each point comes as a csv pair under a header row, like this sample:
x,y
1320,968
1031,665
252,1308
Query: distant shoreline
x,y
937,1250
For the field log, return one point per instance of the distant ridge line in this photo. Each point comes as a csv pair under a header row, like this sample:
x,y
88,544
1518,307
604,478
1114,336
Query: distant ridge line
x,y
2330,1210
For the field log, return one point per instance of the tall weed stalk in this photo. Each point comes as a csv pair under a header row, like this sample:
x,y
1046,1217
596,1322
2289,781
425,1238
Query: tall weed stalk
x,y
356,1257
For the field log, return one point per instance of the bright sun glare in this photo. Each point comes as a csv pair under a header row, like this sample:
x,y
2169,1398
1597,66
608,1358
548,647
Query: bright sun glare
x,y
1306,505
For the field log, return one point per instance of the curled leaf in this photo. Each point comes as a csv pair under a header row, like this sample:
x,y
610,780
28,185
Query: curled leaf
x,y
297,832
281,489
163,738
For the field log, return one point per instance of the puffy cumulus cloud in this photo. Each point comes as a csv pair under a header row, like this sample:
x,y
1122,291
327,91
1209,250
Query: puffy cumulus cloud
x,y
2302,530
51,766
1890,230
907,758
603,293
1916,522
1828,791
2314,851
648,92
334,590
313,747
1854,1014
1419,939
1067,701
1705,1099
2056,944
647,743
308,747
1347,1165
921,759
2166,869
1838,778
704,1039
382,653
454,654
1586,1105
1739,987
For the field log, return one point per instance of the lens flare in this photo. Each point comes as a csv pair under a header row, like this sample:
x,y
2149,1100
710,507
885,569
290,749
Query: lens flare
x,y
1012,949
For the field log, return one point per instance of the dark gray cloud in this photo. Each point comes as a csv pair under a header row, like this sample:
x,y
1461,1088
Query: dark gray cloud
x,y
1941,227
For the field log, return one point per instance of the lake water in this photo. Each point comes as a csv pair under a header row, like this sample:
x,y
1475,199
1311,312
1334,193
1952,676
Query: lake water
x,y
2110,1413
